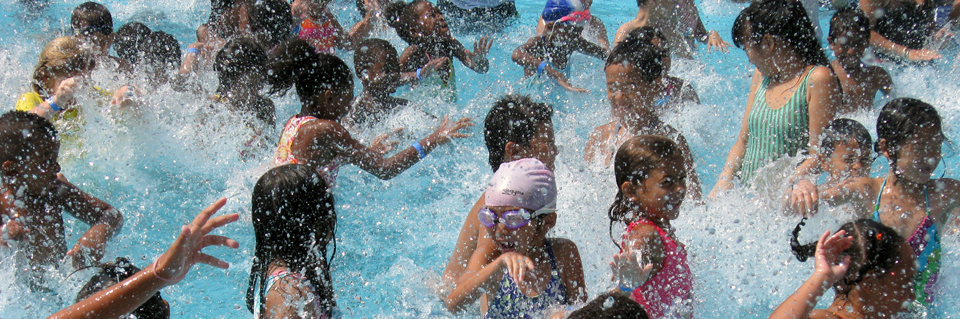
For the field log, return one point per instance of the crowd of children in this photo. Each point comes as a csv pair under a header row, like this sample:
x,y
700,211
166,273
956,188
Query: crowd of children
x,y
885,262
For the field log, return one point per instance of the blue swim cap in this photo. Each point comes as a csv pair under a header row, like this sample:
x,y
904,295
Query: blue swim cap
x,y
556,9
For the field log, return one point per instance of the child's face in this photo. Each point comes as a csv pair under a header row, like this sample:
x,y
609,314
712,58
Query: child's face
x,y
847,161
849,45
519,240
39,168
543,146
661,194
383,75
623,89
430,20
919,155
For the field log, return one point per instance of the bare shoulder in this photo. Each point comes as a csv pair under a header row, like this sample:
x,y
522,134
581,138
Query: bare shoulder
x,y
822,75
563,246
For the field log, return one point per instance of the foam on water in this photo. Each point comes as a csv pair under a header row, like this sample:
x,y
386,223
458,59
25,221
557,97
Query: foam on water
x,y
163,165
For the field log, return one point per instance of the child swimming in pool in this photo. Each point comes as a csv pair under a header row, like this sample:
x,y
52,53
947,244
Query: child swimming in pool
x,y
315,137
421,25
519,269
651,182
593,30
318,26
639,90
378,67
845,151
293,221
849,38
34,198
548,53
516,127
907,199
680,22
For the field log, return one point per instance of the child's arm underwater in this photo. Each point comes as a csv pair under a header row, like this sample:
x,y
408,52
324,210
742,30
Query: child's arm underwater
x,y
476,60
534,65
104,220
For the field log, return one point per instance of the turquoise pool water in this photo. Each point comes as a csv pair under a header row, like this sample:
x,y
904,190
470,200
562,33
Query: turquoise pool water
x,y
160,167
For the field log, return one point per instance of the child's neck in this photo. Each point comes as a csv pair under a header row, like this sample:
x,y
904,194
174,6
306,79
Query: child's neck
x,y
663,223
850,63
638,117
905,186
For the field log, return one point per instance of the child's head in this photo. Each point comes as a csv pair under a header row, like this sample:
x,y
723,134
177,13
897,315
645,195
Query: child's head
x,y
846,149
377,65
62,58
636,61
520,205
517,127
875,251
849,32
294,219
129,41
270,22
240,67
113,273
93,24
416,22
227,17
910,135
322,80
768,23
29,148
611,305
651,179
565,16
162,53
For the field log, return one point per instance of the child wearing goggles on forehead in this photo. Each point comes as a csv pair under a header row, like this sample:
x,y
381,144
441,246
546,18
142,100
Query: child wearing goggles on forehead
x,y
522,271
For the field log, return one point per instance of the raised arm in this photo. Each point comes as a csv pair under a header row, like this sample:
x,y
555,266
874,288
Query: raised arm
x,y
104,220
532,64
476,60
735,158
362,28
830,268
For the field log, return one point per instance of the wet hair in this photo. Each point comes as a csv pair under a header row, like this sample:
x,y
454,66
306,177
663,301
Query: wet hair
x,y
61,56
129,41
112,273
162,51
293,221
219,9
19,132
899,120
638,51
635,160
852,23
294,63
784,19
369,51
513,118
641,3
89,18
842,130
403,17
875,249
610,305
271,22
241,64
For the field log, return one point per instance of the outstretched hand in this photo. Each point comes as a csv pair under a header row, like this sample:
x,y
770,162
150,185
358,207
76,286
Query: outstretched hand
x,y
432,66
482,46
829,264
714,41
448,130
627,271
186,250
804,198
380,147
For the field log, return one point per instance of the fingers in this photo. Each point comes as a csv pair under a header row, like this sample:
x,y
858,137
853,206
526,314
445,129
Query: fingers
x,y
205,214
218,221
212,261
215,240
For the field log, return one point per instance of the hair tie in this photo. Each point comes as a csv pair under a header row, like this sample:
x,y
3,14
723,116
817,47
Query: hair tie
x,y
879,236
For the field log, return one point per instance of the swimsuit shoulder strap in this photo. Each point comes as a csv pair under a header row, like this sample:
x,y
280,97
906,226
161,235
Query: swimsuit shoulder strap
x,y
553,260
876,206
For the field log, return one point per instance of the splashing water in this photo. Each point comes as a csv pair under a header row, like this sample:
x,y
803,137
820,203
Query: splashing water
x,y
161,166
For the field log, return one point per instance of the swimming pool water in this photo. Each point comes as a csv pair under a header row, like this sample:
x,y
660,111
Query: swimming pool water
x,y
160,167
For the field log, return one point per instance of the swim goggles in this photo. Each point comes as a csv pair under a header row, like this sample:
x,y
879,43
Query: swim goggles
x,y
576,17
512,219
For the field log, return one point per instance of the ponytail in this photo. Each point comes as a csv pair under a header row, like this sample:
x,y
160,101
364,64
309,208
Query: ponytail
x,y
295,64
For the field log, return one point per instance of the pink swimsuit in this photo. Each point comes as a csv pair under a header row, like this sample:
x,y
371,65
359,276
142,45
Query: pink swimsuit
x,y
668,294
285,150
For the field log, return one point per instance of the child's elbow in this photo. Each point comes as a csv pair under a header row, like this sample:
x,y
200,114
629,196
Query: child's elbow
x,y
114,219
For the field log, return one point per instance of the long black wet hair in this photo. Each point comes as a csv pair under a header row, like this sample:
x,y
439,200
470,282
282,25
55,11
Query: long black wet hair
x,y
293,221
635,160
513,118
638,50
899,120
785,19
240,64
875,249
294,63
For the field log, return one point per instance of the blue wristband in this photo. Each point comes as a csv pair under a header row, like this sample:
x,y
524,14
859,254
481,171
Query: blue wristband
x,y
53,106
418,74
419,148
541,67
626,289
193,50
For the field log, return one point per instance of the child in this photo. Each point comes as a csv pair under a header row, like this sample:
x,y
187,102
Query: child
x,y
869,267
317,25
611,305
240,67
681,23
293,220
516,127
519,269
652,185
907,199
34,196
315,137
169,269
161,51
845,151
849,38
378,67
55,79
548,53
639,89
115,272
129,42
421,25
92,24
594,28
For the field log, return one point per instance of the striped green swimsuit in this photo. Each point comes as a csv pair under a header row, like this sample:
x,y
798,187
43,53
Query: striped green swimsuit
x,y
775,133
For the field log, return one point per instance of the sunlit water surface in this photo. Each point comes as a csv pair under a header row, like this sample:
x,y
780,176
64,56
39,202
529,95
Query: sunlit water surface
x,y
162,166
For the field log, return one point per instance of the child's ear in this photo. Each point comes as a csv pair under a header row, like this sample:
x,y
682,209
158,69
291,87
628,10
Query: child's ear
x,y
883,147
547,222
511,151
631,191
